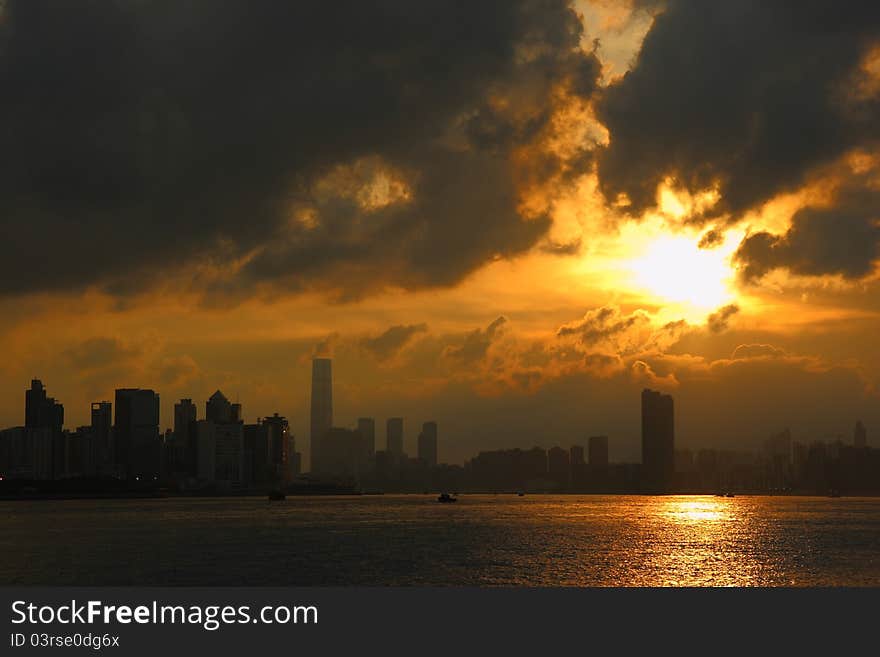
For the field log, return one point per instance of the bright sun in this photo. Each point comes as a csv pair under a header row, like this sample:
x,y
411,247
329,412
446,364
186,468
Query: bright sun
x,y
675,269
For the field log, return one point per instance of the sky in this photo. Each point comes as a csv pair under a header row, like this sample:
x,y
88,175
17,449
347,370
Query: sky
x,y
508,217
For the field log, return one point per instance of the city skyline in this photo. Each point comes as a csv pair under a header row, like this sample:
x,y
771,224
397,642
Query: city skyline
x,y
136,421
514,248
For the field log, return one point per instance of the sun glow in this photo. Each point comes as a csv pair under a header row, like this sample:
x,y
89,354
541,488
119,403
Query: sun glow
x,y
674,268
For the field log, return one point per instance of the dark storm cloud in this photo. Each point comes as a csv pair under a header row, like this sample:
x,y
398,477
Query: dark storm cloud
x,y
749,95
96,353
390,342
601,324
475,344
844,240
141,137
720,319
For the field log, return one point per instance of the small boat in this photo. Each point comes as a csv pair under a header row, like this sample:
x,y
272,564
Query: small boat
x,y
277,496
520,494
446,498
730,495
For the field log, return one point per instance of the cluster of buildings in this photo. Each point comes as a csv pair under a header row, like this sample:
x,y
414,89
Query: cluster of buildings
x,y
220,452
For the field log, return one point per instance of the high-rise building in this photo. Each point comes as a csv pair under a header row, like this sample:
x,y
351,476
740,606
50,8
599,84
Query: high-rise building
x,y
279,444
558,466
41,411
321,408
220,453
219,410
658,441
44,416
342,454
136,432
427,447
860,435
102,437
185,448
394,437
578,467
597,447
367,427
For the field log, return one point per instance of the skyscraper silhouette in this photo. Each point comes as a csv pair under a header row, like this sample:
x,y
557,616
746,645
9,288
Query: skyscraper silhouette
x,y
367,427
102,435
860,435
322,408
427,444
136,432
598,451
394,437
658,441
41,411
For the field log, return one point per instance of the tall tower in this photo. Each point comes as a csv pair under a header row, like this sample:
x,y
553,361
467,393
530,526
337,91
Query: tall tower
x,y
322,407
394,437
860,435
136,431
367,427
427,444
658,442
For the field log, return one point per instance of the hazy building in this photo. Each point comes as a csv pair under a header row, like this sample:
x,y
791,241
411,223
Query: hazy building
x,y
367,427
394,437
321,407
427,444
342,453
777,460
508,470
221,453
578,477
558,466
136,432
597,447
658,441
860,435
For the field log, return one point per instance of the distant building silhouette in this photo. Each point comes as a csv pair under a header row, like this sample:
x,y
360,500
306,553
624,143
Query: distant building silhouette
x,y
558,467
185,449
218,409
367,427
321,407
578,477
860,435
598,451
658,441
102,437
394,437
342,454
221,453
41,411
279,445
136,431
427,444
778,462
